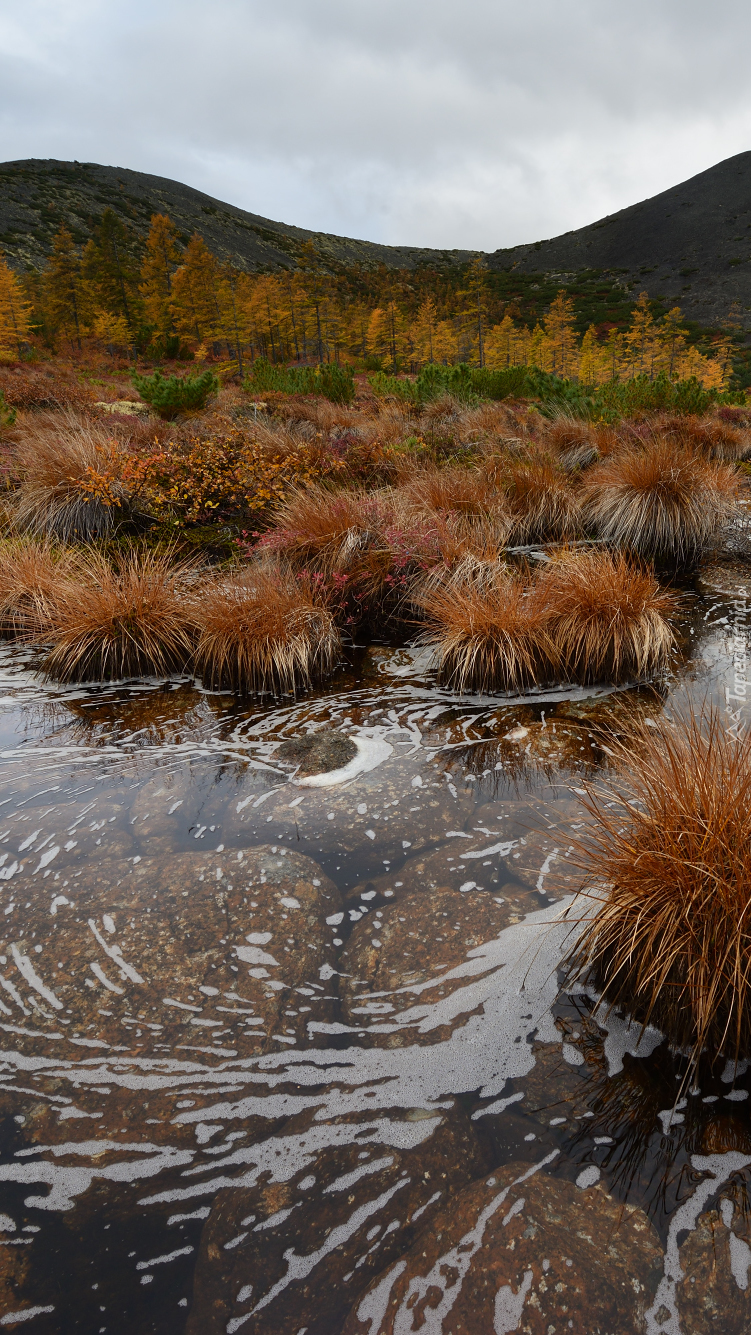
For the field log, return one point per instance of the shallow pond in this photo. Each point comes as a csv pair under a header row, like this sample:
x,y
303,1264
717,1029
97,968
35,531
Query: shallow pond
x,y
295,1060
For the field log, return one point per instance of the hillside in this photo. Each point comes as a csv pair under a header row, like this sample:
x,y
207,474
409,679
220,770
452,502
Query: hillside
x,y
690,245
37,194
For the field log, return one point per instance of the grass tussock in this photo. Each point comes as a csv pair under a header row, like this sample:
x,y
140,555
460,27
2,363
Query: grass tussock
x,y
659,501
318,523
31,573
488,631
68,468
466,490
608,617
710,436
543,504
112,621
670,941
264,632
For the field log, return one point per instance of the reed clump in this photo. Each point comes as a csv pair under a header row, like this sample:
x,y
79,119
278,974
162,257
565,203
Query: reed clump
x,y
70,487
263,632
31,572
488,630
116,620
609,617
660,501
668,857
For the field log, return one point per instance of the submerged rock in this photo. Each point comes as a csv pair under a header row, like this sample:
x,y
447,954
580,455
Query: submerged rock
x,y
195,949
520,1251
415,942
298,1247
714,1293
317,753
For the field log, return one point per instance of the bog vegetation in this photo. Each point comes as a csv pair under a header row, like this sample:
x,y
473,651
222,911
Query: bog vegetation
x,y
339,457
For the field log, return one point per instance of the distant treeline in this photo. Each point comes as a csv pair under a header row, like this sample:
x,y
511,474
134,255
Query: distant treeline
x,y
166,300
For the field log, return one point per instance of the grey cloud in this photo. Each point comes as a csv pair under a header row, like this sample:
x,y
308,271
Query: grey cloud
x,y
480,125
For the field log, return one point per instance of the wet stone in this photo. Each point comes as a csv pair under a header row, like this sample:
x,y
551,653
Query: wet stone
x,y
299,1245
191,949
317,753
197,805
520,1251
406,950
714,1293
381,813
555,1090
546,862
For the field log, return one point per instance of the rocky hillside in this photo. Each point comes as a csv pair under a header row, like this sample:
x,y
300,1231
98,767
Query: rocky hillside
x,y
690,245
36,195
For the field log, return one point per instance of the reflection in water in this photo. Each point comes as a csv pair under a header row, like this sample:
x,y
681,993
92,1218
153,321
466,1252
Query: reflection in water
x,y
261,1041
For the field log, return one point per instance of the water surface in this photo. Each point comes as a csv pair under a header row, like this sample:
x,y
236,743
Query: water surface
x,y
286,1059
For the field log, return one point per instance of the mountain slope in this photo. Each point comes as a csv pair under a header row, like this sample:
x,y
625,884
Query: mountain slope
x,y
36,195
690,245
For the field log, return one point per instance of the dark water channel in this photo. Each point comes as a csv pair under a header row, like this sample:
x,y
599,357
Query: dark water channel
x,y
294,1060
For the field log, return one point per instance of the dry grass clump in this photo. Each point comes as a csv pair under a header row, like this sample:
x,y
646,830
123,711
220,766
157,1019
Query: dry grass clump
x,y
263,632
710,436
466,490
68,468
608,617
111,621
489,632
660,501
543,504
670,942
31,572
329,527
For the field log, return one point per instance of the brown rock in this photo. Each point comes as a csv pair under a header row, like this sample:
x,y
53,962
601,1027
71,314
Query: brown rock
x,y
520,1251
298,1251
546,862
14,1270
714,1294
193,949
423,936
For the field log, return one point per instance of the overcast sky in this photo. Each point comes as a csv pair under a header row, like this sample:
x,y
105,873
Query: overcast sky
x,y
468,123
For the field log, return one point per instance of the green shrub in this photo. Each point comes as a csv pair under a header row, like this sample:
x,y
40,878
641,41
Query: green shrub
x,y
334,382
7,414
173,394
392,386
469,384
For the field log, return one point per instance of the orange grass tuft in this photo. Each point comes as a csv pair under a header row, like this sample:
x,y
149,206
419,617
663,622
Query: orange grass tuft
x,y
710,436
263,632
466,490
489,633
31,572
661,502
115,621
69,470
544,506
327,527
608,617
670,940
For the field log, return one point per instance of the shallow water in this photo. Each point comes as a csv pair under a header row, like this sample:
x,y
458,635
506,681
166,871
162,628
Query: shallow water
x,y
289,1059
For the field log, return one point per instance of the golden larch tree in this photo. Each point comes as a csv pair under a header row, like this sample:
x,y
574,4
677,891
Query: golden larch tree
x,y
15,312
161,260
194,303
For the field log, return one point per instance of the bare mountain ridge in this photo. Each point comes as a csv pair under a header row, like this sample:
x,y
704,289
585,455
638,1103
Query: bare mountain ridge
x,y
37,194
689,245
